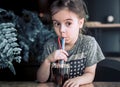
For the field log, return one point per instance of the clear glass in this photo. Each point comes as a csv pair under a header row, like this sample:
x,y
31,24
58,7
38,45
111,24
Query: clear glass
x,y
60,73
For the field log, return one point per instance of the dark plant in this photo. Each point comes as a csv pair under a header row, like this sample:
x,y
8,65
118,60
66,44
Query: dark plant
x,y
9,48
27,34
32,34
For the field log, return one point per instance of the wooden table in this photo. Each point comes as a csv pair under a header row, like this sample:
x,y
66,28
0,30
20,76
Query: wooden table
x,y
34,84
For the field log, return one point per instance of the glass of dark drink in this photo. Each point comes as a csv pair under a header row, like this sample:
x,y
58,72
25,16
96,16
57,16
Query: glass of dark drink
x,y
60,73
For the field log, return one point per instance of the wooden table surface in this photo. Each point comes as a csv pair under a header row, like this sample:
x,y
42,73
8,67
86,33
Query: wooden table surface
x,y
34,84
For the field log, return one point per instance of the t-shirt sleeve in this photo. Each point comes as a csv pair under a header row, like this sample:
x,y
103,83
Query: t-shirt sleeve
x,y
94,53
48,48
45,52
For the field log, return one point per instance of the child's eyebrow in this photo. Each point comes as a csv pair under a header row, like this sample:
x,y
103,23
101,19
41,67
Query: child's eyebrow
x,y
57,20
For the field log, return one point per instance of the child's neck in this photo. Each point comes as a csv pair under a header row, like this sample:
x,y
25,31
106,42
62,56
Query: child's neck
x,y
68,47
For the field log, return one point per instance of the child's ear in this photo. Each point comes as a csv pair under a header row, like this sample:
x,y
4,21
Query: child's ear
x,y
81,22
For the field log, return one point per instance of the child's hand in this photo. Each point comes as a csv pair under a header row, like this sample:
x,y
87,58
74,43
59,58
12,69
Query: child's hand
x,y
58,55
74,82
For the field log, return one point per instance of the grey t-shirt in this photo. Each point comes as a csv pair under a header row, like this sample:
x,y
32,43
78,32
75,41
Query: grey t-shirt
x,y
86,52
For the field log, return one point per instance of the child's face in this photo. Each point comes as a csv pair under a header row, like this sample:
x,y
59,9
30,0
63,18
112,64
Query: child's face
x,y
67,24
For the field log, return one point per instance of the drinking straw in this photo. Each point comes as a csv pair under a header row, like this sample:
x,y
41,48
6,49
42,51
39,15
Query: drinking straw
x,y
63,43
59,43
63,47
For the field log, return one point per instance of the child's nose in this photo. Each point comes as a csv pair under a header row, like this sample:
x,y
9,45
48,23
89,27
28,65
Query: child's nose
x,y
62,29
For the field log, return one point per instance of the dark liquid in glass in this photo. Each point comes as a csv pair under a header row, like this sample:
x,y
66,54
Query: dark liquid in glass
x,y
60,75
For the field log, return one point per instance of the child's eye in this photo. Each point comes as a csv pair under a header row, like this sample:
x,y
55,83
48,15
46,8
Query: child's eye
x,y
56,24
68,24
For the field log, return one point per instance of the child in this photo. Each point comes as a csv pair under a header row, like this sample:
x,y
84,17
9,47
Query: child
x,y
82,52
